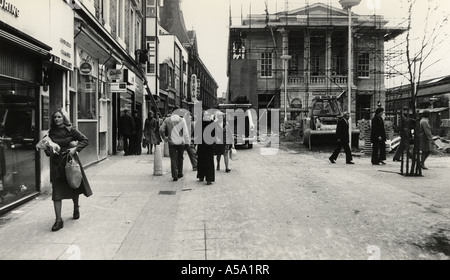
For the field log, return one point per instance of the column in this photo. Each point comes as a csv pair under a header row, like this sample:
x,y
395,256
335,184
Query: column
x,y
328,59
307,68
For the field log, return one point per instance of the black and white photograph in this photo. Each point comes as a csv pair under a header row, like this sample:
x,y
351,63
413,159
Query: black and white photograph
x,y
227,130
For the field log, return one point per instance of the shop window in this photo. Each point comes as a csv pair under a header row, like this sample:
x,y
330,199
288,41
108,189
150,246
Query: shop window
x,y
87,91
18,131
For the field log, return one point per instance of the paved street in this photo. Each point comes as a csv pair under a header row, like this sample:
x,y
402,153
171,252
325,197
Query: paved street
x,y
291,205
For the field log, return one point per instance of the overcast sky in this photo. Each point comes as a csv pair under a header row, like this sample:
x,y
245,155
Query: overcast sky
x,y
210,19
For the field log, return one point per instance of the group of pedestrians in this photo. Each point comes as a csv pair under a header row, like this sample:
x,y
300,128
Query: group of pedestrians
x,y
215,141
130,132
378,137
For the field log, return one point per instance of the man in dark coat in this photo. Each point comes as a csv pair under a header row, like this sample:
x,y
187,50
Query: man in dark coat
x,y
405,134
137,141
126,130
343,140
378,138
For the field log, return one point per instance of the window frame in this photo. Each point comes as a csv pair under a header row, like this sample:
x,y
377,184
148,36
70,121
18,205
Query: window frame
x,y
266,61
363,65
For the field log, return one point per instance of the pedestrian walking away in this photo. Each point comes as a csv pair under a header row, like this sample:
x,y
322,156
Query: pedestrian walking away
x,y
425,138
126,131
174,131
405,134
65,139
205,148
343,140
378,138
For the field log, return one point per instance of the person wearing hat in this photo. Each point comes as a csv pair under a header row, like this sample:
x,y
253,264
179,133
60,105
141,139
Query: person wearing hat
x,y
405,134
378,138
425,138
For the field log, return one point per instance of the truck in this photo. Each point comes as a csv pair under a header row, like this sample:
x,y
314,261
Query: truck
x,y
238,113
319,126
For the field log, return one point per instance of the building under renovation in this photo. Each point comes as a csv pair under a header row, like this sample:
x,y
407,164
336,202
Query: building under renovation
x,y
315,38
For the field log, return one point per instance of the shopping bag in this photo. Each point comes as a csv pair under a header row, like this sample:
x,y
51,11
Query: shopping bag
x,y
233,154
73,172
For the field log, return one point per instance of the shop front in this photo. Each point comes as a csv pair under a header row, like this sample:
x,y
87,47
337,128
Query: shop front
x,y
21,68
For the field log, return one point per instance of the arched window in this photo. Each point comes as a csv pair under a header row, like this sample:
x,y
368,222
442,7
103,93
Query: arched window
x,y
296,103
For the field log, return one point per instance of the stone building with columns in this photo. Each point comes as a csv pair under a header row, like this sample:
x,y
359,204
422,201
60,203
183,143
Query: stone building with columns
x,y
314,39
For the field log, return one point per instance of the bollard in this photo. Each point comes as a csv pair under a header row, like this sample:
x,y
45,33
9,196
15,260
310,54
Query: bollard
x,y
166,149
157,165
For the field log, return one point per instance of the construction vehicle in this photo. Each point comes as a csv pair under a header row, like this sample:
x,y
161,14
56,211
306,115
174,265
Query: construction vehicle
x,y
319,127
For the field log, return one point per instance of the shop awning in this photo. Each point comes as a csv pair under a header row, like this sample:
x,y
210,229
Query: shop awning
x,y
31,44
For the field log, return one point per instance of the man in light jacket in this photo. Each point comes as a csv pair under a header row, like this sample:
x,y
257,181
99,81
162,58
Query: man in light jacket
x,y
426,138
174,131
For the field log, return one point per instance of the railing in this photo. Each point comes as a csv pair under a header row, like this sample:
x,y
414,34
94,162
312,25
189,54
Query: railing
x,y
318,80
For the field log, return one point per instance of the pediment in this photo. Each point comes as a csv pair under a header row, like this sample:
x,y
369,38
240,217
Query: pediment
x,y
318,10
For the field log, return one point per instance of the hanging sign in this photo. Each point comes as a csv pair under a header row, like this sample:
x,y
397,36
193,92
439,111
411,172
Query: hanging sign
x,y
86,68
115,75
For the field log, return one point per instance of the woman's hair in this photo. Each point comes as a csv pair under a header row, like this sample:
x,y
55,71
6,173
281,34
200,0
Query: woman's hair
x,y
65,116
426,113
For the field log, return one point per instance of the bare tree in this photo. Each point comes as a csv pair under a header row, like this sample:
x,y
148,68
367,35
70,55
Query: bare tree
x,y
417,62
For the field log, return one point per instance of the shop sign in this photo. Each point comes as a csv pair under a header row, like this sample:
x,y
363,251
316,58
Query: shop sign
x,y
10,8
115,75
118,87
86,68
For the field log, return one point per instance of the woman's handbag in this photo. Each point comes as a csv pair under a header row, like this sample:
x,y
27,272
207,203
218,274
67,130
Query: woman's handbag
x,y
233,154
73,172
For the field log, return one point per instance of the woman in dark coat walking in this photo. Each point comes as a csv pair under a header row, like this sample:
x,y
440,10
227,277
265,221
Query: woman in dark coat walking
x,y
151,132
378,138
69,141
205,149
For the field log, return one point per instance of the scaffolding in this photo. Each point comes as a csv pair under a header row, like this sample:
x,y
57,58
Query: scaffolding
x,y
321,60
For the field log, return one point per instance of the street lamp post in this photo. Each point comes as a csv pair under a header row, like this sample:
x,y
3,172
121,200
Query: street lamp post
x,y
348,4
285,59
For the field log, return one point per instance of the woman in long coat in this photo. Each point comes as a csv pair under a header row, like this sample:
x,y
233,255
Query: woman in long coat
x,y
151,132
205,150
70,141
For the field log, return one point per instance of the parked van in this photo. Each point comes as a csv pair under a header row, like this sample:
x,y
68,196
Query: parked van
x,y
242,118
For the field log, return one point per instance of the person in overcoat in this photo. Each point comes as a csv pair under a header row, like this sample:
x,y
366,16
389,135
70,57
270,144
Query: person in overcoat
x,y
405,134
225,142
205,148
127,131
137,141
343,140
69,140
151,132
425,138
378,138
